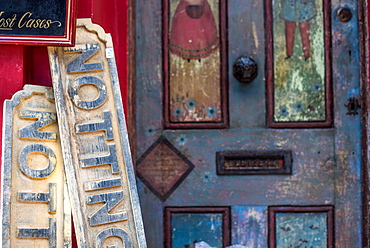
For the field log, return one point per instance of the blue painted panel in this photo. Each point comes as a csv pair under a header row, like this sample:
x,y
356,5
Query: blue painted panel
x,y
307,185
346,83
149,70
301,230
246,37
249,226
187,228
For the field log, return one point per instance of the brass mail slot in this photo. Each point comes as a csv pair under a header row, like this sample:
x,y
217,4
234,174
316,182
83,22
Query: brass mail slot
x,y
254,162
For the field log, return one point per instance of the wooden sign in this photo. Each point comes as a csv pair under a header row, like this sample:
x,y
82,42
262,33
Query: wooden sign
x,y
38,22
254,162
97,157
35,207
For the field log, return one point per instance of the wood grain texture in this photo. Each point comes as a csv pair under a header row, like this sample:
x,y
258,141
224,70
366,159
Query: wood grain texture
x,y
195,90
35,204
95,141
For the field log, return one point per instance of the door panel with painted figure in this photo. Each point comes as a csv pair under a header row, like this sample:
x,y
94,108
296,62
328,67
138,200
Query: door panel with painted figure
x,y
190,107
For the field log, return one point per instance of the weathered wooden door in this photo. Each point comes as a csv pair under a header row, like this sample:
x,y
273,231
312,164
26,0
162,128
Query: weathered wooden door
x,y
248,127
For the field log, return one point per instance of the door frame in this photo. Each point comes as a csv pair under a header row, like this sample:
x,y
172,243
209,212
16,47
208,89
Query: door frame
x,y
364,29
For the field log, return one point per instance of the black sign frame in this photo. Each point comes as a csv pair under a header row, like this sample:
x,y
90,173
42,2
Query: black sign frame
x,y
38,22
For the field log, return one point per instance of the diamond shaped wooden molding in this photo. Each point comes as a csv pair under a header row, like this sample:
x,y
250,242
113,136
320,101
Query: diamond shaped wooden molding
x,y
163,168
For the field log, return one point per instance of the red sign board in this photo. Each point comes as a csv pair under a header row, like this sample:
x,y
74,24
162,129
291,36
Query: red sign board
x,y
38,22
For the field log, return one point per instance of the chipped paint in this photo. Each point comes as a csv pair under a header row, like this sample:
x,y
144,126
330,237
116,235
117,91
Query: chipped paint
x,y
300,73
324,172
249,226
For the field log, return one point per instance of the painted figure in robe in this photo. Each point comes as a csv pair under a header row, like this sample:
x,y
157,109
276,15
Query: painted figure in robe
x,y
301,12
193,30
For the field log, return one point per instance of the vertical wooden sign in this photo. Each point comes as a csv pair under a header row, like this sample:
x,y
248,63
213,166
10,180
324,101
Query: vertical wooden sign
x,y
97,157
35,207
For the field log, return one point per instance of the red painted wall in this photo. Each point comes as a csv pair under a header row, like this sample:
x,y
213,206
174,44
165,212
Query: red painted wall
x,y
21,65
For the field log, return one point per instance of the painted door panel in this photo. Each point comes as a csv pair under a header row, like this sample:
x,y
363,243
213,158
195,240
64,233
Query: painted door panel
x,y
326,168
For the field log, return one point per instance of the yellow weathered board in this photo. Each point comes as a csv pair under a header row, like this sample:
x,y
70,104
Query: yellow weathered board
x,y
97,157
35,206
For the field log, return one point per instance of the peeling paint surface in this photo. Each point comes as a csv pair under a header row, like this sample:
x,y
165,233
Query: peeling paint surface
x,y
194,61
249,226
301,229
190,227
299,61
326,168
